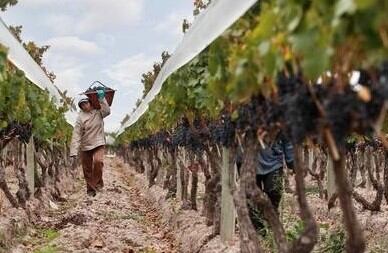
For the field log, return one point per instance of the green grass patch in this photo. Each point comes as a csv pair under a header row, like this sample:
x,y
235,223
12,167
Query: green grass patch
x,y
49,234
312,190
148,250
294,230
132,216
42,239
110,215
333,242
47,249
330,240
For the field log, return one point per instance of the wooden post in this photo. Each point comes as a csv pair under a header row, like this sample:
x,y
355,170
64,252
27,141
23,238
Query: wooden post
x,y
162,170
185,174
331,187
67,155
311,158
178,176
371,162
4,153
147,166
30,166
228,212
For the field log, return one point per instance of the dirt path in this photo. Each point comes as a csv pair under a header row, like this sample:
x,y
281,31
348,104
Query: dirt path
x,y
118,219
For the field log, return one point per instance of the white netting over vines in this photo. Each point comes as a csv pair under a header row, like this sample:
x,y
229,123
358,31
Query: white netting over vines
x,y
23,61
218,16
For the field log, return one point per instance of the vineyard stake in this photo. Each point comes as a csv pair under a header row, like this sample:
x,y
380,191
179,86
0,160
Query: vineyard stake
x,y
228,211
178,177
30,166
331,186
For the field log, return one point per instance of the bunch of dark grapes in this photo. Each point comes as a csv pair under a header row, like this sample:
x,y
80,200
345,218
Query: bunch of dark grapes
x,y
379,92
24,132
164,139
145,143
21,131
228,131
294,110
179,137
134,145
298,110
222,132
374,143
216,132
343,111
348,113
158,139
258,113
287,84
369,141
196,137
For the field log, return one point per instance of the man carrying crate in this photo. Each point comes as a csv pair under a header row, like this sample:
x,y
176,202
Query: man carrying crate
x,y
89,138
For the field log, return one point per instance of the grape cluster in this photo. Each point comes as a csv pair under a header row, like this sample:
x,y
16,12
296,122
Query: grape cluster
x,y
348,113
345,112
298,112
193,137
21,131
216,132
222,132
260,112
294,110
180,134
374,143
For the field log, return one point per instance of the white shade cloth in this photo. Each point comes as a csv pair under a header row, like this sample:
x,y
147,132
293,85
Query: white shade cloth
x,y
210,24
23,61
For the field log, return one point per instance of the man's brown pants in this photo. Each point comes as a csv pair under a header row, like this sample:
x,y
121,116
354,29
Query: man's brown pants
x,y
92,164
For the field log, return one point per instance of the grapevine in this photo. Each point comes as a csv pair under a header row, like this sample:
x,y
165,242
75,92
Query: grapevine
x,y
283,68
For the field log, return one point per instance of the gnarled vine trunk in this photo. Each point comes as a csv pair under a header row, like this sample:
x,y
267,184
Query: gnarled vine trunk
x,y
355,242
